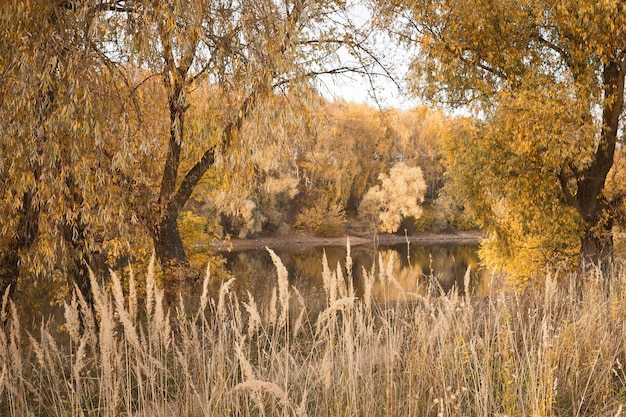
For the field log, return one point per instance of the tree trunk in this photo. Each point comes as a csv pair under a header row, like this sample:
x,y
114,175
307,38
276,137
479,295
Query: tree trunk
x,y
168,245
9,268
170,252
596,251
597,243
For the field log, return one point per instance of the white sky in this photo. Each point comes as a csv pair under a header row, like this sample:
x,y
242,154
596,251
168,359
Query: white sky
x,y
358,88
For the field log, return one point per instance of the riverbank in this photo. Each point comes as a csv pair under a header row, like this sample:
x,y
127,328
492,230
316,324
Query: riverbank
x,y
299,241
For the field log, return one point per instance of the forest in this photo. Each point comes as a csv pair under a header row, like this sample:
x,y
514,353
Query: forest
x,y
137,135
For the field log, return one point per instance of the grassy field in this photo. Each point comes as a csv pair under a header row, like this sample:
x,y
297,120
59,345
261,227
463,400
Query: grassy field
x,y
559,350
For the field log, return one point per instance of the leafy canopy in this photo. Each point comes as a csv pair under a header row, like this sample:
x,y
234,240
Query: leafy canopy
x,y
546,82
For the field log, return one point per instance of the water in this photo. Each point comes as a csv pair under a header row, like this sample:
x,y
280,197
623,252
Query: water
x,y
413,266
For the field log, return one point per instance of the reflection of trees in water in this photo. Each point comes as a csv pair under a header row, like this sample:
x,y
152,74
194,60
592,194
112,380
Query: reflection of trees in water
x,y
256,273
446,263
449,263
407,274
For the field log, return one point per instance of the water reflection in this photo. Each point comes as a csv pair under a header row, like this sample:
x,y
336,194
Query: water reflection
x,y
412,266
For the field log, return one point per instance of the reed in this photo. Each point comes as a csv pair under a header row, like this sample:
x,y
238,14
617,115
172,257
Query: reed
x,y
559,350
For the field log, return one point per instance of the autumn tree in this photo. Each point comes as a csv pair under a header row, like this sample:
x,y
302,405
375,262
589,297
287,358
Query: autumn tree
x,y
547,82
267,180
368,144
247,51
59,115
344,153
96,140
399,195
421,133
352,145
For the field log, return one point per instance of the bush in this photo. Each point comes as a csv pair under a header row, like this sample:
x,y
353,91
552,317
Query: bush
x,y
323,222
426,221
276,202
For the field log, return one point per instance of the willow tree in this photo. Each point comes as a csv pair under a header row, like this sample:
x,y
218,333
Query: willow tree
x,y
547,81
246,51
58,119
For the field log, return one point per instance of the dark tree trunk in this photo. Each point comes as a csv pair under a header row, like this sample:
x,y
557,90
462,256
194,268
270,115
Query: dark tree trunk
x,y
168,244
27,232
170,252
596,251
597,244
9,268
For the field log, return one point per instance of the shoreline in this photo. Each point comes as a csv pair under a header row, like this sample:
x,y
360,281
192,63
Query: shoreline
x,y
300,241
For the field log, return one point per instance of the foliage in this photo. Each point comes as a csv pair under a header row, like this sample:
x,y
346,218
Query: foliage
x,y
421,132
546,80
353,144
527,229
61,139
322,221
198,234
448,212
311,155
119,109
398,196
277,196
138,124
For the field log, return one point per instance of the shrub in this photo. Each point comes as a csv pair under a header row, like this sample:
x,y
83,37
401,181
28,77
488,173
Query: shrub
x,y
276,202
323,222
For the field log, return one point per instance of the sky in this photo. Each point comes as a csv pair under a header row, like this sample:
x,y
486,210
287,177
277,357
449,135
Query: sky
x,y
377,90
358,89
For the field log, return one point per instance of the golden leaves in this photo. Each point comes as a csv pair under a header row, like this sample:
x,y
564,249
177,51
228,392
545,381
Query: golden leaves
x,y
533,72
399,195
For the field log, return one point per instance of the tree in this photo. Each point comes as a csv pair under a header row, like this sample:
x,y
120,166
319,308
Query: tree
x,y
422,132
365,141
547,81
56,198
99,140
247,52
398,196
350,145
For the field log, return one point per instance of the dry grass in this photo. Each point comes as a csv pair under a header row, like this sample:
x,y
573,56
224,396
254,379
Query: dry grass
x,y
555,351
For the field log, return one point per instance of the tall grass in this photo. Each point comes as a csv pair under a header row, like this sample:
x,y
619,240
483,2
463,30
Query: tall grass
x,y
555,351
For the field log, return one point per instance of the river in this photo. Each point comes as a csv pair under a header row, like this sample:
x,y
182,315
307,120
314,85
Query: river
x,y
413,265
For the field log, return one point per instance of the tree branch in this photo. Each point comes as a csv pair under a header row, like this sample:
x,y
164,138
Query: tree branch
x,y
233,127
569,197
